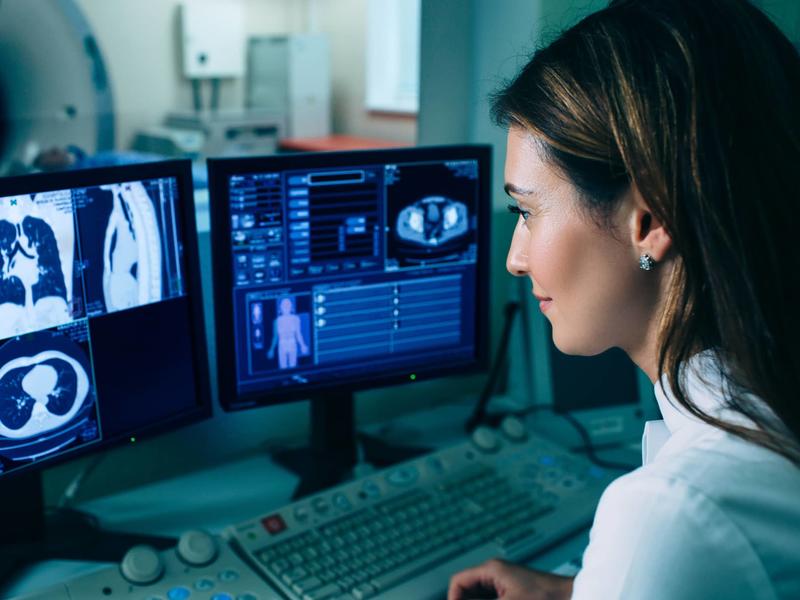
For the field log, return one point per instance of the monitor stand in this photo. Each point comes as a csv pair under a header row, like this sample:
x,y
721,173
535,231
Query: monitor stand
x,y
30,533
333,451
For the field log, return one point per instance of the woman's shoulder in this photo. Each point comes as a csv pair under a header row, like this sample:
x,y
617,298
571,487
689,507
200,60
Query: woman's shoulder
x,y
729,503
722,467
672,529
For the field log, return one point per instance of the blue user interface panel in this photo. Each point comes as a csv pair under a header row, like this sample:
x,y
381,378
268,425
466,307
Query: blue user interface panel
x,y
91,278
344,274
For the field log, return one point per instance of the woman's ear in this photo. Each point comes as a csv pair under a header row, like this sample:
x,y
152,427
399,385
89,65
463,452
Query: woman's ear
x,y
648,234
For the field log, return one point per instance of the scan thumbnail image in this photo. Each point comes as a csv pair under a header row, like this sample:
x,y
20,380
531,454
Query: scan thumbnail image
x,y
280,332
39,285
121,243
431,213
47,397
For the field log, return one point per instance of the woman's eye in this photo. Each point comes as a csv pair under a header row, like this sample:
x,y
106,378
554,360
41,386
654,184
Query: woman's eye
x,y
514,209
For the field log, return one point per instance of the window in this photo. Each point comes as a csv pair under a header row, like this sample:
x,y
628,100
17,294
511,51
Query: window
x,y
393,33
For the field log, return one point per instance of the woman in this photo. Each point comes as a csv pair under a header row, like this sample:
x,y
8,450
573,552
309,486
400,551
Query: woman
x,y
652,158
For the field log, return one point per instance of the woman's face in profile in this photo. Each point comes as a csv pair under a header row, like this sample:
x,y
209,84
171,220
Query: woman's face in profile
x,y
586,278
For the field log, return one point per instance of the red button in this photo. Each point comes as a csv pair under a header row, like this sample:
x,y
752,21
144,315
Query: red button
x,y
274,524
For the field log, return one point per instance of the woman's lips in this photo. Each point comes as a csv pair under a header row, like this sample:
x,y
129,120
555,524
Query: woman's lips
x,y
544,302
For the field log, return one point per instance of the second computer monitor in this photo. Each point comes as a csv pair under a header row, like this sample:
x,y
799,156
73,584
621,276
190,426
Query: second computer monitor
x,y
342,271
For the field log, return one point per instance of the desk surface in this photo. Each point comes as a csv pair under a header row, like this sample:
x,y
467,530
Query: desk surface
x,y
332,143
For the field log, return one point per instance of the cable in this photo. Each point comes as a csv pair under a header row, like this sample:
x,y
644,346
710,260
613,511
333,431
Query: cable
x,y
74,486
494,420
478,415
589,446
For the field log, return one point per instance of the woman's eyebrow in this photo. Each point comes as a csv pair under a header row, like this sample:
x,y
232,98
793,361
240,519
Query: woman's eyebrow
x,y
511,188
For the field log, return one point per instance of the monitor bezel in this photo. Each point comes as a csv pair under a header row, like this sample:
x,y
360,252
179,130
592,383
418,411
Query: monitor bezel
x,y
219,172
181,170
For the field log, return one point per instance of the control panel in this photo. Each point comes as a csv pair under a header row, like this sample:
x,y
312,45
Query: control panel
x,y
200,567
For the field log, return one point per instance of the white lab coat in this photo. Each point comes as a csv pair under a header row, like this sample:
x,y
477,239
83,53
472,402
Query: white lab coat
x,y
707,516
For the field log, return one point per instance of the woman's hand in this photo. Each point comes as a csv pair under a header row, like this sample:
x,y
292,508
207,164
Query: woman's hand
x,y
499,579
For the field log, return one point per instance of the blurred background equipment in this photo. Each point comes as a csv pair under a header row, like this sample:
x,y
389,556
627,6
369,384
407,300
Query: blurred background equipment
x,y
227,132
291,75
54,85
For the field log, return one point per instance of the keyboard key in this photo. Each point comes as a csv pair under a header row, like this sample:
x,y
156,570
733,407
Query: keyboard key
x,y
327,576
470,541
406,570
323,593
363,591
327,561
295,574
306,585
279,566
510,538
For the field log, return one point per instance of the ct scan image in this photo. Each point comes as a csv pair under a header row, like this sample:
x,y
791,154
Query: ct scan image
x,y
47,396
39,285
430,224
121,242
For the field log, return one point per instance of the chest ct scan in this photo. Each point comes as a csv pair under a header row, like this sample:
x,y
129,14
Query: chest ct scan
x,y
37,247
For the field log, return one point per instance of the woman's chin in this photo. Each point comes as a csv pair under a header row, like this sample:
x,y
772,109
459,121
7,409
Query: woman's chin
x,y
577,347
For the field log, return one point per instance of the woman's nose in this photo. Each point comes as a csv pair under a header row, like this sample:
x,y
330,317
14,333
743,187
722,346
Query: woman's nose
x,y
517,259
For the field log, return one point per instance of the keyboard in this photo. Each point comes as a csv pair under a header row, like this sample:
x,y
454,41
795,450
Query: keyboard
x,y
401,533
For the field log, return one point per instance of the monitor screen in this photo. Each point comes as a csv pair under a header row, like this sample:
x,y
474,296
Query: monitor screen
x,y
348,270
101,336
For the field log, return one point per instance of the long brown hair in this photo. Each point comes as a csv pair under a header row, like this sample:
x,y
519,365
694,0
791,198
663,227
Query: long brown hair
x,y
696,103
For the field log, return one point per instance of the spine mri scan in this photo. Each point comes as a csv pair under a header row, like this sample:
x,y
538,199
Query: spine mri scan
x,y
132,250
37,247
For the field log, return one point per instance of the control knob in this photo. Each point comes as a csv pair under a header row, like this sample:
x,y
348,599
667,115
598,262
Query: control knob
x,y
196,548
514,429
485,439
141,565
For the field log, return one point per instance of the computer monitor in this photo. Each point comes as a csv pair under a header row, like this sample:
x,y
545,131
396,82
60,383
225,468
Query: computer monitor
x,y
101,332
335,272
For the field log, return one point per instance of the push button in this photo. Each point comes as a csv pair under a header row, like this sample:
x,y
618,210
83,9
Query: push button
x,y
204,584
228,575
178,593
274,524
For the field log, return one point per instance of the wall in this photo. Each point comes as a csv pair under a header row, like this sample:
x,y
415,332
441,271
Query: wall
x,y
143,59
345,22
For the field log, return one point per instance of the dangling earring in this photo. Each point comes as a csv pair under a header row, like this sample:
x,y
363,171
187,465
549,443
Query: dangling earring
x,y
646,262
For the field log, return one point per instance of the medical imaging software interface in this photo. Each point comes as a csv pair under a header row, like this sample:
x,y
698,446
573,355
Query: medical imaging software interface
x,y
78,270
342,273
